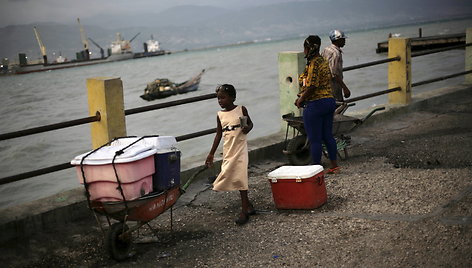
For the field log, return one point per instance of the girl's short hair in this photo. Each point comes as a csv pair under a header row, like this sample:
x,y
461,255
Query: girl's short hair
x,y
228,89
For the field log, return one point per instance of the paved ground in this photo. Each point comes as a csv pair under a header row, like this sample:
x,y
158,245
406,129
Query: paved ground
x,y
403,199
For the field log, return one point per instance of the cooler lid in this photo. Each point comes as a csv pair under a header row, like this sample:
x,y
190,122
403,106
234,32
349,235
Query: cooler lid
x,y
160,143
293,172
105,154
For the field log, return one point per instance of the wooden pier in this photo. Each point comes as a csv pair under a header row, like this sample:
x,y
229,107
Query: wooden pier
x,y
428,42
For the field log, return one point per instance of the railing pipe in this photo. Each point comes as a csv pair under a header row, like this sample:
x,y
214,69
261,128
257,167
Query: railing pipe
x,y
169,104
372,63
440,78
196,134
34,173
63,166
363,97
90,119
51,127
432,51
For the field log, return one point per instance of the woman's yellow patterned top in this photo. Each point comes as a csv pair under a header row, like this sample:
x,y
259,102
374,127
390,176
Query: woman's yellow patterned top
x,y
318,77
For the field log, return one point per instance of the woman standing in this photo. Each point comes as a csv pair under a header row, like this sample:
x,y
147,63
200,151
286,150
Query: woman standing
x,y
317,99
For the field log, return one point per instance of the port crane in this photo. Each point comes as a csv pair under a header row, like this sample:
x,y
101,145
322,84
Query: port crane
x,y
83,36
41,46
131,40
102,51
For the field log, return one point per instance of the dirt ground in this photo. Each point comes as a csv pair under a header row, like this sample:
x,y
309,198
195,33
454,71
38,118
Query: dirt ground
x,y
402,199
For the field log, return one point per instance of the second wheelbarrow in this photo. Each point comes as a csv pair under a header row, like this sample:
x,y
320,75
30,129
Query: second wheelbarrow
x,y
297,148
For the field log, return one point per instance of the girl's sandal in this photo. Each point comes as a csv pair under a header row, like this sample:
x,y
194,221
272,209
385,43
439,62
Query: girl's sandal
x,y
252,210
243,218
334,170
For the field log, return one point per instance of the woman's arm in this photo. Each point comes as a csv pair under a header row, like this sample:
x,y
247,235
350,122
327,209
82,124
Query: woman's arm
x,y
302,80
216,142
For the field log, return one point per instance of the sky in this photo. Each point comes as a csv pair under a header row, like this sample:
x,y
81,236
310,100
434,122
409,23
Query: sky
x,y
17,12
14,12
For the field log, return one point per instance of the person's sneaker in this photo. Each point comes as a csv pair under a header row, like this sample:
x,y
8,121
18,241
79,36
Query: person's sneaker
x,y
334,170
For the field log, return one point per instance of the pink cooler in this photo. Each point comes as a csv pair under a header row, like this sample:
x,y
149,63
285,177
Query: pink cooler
x,y
135,167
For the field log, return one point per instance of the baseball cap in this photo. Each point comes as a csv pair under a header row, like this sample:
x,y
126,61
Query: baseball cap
x,y
336,34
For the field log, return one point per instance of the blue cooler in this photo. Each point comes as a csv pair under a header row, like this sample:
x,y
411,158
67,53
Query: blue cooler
x,y
166,159
167,174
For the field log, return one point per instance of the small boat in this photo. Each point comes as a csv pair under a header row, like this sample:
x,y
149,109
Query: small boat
x,y
163,87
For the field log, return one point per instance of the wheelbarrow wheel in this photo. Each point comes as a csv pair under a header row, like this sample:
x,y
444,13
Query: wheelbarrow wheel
x,y
298,153
118,242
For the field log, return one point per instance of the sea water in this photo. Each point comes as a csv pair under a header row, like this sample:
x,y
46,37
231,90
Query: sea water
x,y
37,99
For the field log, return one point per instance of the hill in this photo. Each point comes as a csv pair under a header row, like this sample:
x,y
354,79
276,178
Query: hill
x,y
188,27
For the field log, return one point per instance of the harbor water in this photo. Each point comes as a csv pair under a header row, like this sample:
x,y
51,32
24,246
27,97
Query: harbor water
x,y
38,99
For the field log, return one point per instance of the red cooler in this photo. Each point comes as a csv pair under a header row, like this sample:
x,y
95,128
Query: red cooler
x,y
298,187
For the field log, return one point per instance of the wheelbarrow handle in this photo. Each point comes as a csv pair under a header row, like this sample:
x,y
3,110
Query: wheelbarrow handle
x,y
372,112
194,175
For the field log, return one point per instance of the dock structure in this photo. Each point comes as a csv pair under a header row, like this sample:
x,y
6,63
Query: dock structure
x,y
428,42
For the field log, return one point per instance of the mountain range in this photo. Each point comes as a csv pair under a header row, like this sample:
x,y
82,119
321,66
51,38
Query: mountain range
x,y
189,27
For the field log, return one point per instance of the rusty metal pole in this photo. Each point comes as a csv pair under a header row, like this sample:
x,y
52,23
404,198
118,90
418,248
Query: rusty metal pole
x,y
468,55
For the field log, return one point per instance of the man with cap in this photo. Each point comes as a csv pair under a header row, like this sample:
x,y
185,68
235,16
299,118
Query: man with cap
x,y
333,54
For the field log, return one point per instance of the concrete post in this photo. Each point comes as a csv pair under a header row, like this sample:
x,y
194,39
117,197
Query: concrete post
x,y
291,65
468,55
105,95
399,72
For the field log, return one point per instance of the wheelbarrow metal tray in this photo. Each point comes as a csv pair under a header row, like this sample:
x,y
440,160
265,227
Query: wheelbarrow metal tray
x,y
143,209
343,124
294,121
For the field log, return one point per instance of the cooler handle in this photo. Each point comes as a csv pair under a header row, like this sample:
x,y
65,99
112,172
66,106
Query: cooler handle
x,y
320,180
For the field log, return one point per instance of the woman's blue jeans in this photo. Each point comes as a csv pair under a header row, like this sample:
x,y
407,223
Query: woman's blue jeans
x,y
318,121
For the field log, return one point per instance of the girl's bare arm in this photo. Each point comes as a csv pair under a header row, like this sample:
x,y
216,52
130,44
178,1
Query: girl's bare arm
x,y
216,142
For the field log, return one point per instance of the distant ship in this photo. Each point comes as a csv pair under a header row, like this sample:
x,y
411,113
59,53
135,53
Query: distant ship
x,y
151,48
152,45
120,49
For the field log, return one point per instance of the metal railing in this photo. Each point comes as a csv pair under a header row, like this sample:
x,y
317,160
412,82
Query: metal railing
x,y
95,118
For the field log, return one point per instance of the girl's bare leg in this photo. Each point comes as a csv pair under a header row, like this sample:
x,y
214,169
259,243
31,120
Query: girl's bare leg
x,y
245,206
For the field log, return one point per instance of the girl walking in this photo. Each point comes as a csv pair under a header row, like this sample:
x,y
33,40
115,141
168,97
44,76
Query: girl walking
x,y
233,123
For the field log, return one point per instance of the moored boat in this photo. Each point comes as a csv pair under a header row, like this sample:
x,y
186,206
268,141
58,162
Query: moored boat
x,y
163,87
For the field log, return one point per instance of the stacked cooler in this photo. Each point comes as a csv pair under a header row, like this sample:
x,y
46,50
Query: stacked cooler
x,y
139,165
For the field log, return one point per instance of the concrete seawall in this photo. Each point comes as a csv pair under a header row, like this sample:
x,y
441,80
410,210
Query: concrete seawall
x,y
22,221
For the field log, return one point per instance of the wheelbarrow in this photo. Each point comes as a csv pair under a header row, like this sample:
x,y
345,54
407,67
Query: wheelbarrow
x,y
297,147
118,214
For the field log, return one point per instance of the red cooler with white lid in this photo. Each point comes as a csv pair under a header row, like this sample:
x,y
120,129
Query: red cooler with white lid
x,y
298,187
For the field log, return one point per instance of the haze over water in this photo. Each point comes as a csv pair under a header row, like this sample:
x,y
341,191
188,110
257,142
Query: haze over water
x,y
38,99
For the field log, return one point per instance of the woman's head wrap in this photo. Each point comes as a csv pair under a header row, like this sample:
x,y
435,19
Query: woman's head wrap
x,y
312,45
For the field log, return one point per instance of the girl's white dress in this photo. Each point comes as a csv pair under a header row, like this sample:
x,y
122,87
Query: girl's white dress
x,y
233,175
